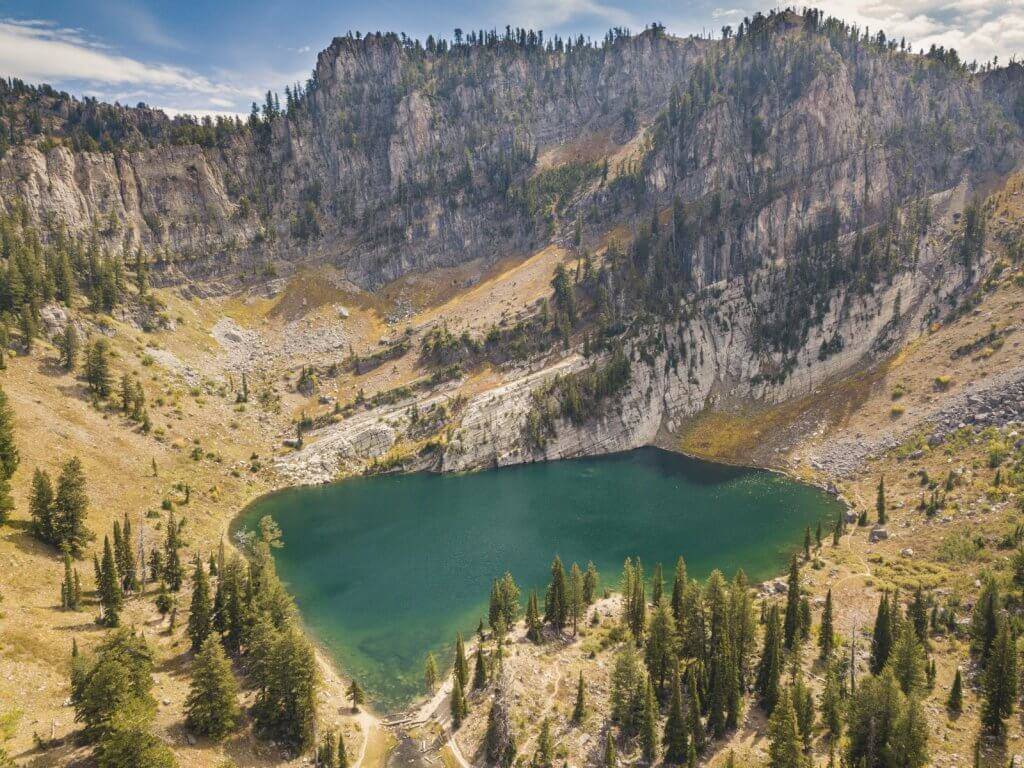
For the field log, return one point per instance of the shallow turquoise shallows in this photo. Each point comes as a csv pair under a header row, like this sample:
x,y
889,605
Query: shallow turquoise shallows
x,y
385,569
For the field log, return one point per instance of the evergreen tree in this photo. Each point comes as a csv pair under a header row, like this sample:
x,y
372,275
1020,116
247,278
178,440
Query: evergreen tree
x,y
791,625
544,756
910,736
356,695
480,669
97,368
200,617
458,704
326,757
174,572
67,346
805,619
1000,679
591,580
881,637
918,616
657,584
342,751
211,708
659,652
803,704
430,674
693,709
579,710
907,660
284,667
827,632
126,558
499,740
6,499
9,456
576,603
783,741
70,589
871,719
676,739
556,603
831,704
880,501
534,628
611,758
955,702
679,583
807,543
69,509
460,668
770,668
984,619
109,587
649,725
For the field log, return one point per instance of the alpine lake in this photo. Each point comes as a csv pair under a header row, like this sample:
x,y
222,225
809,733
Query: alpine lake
x,y
385,569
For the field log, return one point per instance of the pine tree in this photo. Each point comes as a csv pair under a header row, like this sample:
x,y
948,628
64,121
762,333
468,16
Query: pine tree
x,y
611,758
174,572
285,671
676,738
460,668
126,559
955,702
97,368
880,501
831,714
67,345
783,741
918,615
591,579
579,711
326,757
70,588
211,708
659,652
70,506
499,740
826,632
881,638
907,660
770,668
109,587
6,499
805,619
574,597
430,674
342,751
544,756
1000,679
556,605
693,709
649,725
200,617
9,456
356,695
679,583
910,736
480,669
534,628
803,704
657,584
459,707
984,619
807,543
791,625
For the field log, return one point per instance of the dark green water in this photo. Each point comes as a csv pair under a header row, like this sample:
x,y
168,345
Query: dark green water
x,y
386,568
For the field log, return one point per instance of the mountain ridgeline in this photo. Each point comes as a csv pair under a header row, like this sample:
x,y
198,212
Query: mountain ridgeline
x,y
397,156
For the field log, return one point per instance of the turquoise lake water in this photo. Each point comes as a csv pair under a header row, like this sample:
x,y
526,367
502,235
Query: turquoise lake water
x,y
385,569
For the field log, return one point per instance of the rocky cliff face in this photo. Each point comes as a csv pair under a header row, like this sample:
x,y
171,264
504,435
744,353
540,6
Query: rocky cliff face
x,y
397,158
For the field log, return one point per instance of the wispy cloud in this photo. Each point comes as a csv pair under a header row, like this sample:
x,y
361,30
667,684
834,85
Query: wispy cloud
x,y
550,14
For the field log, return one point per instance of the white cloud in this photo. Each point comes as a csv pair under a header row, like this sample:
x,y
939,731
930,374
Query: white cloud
x,y
978,29
36,50
548,14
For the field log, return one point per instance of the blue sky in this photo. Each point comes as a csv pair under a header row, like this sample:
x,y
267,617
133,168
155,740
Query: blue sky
x,y
218,57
